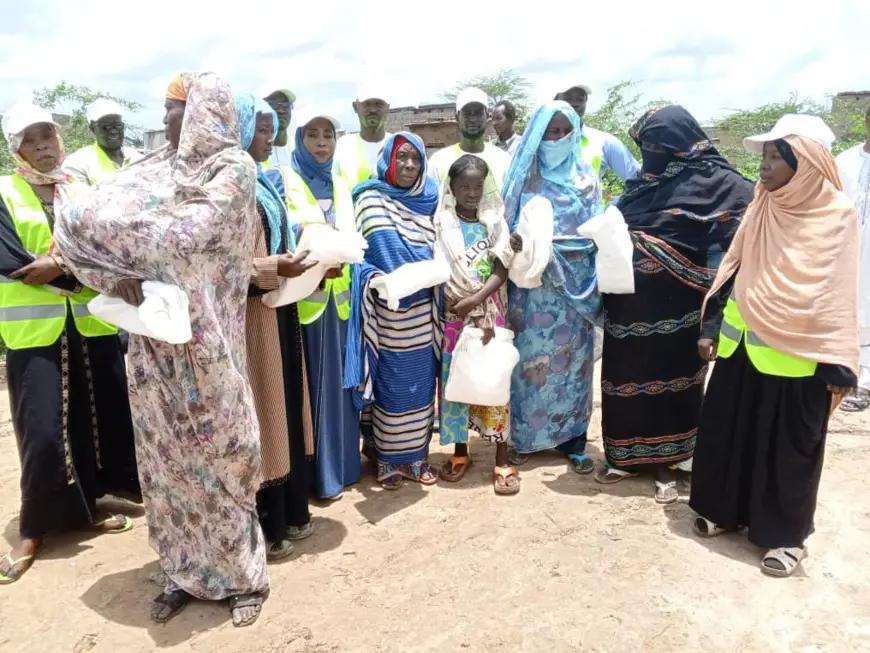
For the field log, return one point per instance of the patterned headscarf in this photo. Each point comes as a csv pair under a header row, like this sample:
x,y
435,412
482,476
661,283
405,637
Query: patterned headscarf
x,y
422,197
687,196
571,186
249,107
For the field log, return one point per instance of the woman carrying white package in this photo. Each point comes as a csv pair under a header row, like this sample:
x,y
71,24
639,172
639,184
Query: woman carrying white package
x,y
315,196
394,351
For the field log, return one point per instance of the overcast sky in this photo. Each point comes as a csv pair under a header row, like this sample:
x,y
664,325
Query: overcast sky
x,y
737,53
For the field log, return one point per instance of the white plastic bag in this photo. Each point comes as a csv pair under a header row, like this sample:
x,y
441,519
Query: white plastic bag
x,y
480,375
164,315
535,227
408,279
613,261
330,248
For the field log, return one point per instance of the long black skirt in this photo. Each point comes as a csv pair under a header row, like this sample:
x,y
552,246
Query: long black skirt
x,y
72,422
652,378
760,451
285,503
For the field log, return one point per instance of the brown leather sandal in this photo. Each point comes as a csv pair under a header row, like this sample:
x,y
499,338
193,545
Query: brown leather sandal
x,y
454,468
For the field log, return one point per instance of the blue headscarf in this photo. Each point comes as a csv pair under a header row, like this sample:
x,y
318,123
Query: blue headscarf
x,y
318,176
422,197
249,107
553,169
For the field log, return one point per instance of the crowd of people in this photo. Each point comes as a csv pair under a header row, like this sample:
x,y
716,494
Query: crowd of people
x,y
226,438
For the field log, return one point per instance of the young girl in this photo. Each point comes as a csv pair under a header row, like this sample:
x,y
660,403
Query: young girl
x,y
472,235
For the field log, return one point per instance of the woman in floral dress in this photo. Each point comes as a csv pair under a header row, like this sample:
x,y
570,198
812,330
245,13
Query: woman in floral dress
x,y
471,234
186,216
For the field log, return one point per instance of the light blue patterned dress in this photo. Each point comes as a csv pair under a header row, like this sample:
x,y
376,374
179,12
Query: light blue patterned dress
x,y
551,388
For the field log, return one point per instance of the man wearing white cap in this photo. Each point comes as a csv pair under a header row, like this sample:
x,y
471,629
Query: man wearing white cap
x,y
854,166
281,101
471,114
102,159
599,149
356,155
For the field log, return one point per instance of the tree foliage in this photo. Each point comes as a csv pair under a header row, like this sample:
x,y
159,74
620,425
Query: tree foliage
x,y
76,133
847,125
503,85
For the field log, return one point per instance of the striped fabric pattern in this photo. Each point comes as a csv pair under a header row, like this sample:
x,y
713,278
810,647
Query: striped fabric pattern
x,y
393,356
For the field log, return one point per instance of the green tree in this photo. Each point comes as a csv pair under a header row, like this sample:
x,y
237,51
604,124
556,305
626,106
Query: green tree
x,y
737,125
620,111
503,85
76,133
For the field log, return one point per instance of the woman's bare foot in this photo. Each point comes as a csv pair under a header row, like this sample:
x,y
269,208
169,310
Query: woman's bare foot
x,y
15,564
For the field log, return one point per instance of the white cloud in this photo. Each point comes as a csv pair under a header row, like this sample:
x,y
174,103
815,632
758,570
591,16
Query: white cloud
x,y
735,54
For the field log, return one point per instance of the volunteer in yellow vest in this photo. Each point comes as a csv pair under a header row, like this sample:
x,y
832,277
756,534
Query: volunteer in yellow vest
x,y
102,159
315,194
787,346
356,155
281,102
67,382
599,149
471,115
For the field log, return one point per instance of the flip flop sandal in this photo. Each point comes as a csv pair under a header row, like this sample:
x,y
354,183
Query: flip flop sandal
x,y
422,478
783,561
175,602
609,476
518,459
279,550
247,601
127,525
855,404
295,533
705,528
11,576
448,470
666,492
392,480
581,463
504,488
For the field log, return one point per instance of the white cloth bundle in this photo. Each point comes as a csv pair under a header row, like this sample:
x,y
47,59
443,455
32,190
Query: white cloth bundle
x,y
480,375
409,278
331,248
613,260
164,315
535,227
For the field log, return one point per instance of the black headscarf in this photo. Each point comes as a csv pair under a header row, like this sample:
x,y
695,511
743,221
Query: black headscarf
x,y
688,201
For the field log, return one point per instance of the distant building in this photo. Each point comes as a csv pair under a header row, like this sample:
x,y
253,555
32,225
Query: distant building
x,y
851,102
435,124
153,139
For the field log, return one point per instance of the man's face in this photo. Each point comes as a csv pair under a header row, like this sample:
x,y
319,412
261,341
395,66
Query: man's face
x,y
503,125
576,97
283,107
472,120
372,113
109,131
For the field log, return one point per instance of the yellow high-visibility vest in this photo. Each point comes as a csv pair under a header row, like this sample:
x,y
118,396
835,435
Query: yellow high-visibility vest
x,y
96,164
302,208
764,358
351,160
34,316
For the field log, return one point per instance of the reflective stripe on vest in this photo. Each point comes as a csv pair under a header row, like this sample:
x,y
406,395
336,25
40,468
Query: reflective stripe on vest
x,y
302,208
765,359
34,316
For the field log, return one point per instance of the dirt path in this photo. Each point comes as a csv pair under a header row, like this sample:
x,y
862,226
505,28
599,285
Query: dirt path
x,y
564,566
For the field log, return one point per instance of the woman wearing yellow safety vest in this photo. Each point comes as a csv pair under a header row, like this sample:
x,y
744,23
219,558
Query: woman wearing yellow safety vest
x,y
315,195
67,381
787,346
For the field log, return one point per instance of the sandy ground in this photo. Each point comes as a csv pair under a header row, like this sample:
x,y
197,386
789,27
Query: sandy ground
x,y
565,566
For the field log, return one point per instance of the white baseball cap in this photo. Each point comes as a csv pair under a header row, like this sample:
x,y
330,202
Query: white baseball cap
x,y
20,117
307,117
793,124
471,95
103,107
583,87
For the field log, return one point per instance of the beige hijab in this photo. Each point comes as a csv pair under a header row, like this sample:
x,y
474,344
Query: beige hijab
x,y
797,255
